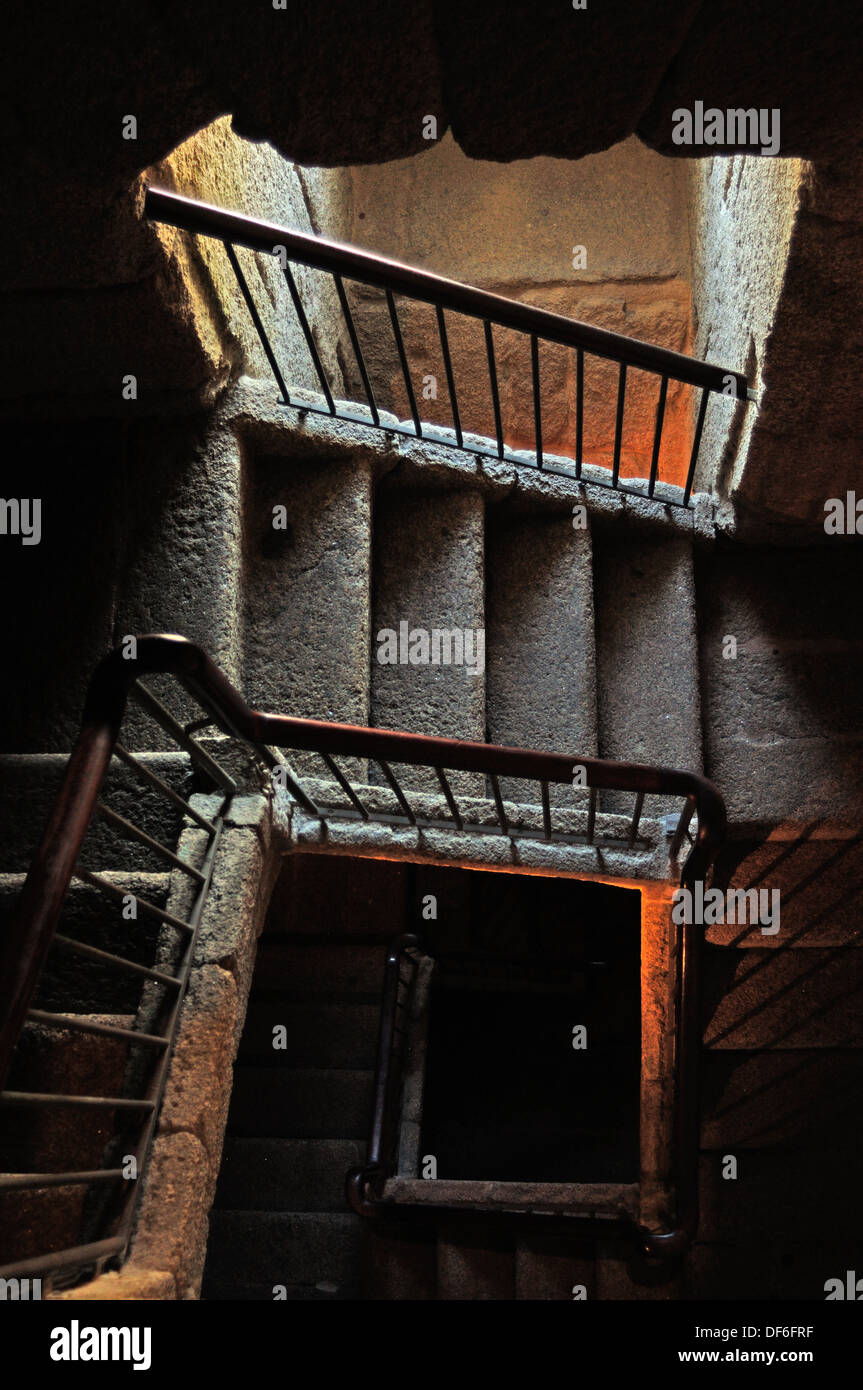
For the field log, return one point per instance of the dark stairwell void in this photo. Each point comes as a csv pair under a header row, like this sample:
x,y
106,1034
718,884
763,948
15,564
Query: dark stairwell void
x,y
521,961
533,1062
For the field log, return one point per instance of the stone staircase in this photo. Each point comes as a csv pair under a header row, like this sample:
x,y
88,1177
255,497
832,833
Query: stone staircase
x,y
590,630
604,639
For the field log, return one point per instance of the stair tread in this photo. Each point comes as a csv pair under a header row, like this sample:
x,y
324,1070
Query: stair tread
x,y
286,1174
289,1248
301,1102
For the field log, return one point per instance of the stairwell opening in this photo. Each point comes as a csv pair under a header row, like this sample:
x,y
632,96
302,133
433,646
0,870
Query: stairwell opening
x,y
521,961
532,1067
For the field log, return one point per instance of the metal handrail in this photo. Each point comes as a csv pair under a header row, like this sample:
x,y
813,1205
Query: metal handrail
x,y
344,262
24,948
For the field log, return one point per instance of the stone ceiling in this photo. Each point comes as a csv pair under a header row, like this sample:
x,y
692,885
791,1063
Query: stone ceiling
x,y
346,84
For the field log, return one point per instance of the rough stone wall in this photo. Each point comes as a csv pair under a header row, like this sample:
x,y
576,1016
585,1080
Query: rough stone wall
x,y
112,294
513,229
216,167
742,211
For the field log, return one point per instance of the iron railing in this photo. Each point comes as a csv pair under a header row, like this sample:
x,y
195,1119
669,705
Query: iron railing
x,y
34,931
448,297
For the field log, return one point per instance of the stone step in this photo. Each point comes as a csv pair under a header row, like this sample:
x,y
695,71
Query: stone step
x,y
752,1100
56,1139
286,1174
29,782
297,659
316,1034
622,1275
429,574
213,1291
647,656
293,968
72,1062
541,644
293,1103
295,1249
554,1268
475,1262
70,983
782,999
401,1261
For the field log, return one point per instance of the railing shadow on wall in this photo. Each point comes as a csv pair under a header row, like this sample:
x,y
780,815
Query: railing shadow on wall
x,y
663,371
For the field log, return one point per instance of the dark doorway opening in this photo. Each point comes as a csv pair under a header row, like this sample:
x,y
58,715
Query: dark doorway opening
x,y
534,1046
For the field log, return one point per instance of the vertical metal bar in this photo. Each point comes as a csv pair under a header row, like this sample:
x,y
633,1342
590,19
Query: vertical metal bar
x,y
546,811
345,785
450,379
537,404
591,816
307,334
657,435
154,781
256,320
355,344
682,826
498,801
579,409
495,395
618,424
636,817
399,794
165,719
291,784
696,444
450,799
403,359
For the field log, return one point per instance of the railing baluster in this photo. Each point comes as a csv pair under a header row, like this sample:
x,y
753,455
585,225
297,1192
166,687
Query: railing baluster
x,y
618,424
696,445
82,1255
345,785
58,1098
403,359
682,826
495,394
591,816
131,761
133,832
21,1182
355,344
498,801
579,409
154,707
256,320
309,337
79,1024
450,799
80,948
293,786
399,794
636,817
546,811
657,435
537,402
114,891
450,379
